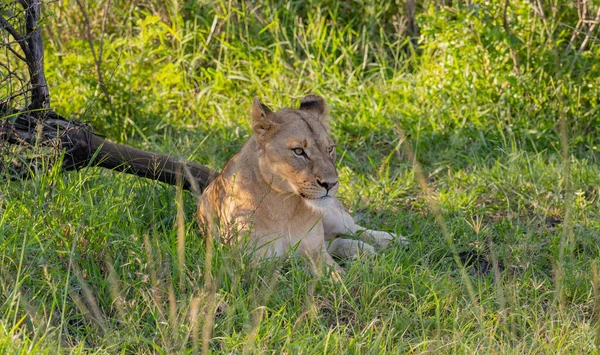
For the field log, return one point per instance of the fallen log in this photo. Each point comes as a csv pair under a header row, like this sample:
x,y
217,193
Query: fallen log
x,y
83,148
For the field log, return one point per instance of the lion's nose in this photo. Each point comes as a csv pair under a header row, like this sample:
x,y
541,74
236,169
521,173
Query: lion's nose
x,y
327,185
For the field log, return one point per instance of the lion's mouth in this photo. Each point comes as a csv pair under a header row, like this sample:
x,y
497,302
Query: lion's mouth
x,y
304,196
312,197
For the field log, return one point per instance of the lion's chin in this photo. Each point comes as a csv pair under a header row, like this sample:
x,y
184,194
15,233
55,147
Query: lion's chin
x,y
319,205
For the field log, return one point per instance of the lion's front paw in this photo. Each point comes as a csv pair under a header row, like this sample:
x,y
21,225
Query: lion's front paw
x,y
349,248
381,239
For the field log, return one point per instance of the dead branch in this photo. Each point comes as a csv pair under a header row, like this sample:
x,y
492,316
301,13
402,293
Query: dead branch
x,y
32,46
82,148
40,95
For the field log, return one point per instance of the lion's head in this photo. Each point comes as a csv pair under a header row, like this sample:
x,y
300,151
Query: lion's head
x,y
296,153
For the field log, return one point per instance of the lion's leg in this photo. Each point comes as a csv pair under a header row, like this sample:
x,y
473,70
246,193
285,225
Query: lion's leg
x,y
327,259
380,239
336,222
348,248
312,246
318,257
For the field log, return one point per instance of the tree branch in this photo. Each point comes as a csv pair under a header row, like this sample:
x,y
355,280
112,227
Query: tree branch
x,y
82,148
14,52
40,95
5,25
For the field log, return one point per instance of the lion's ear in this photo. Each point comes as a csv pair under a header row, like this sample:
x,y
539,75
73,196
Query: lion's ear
x,y
262,126
317,106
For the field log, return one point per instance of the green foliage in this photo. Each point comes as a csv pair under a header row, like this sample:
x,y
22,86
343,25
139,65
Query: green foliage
x,y
89,260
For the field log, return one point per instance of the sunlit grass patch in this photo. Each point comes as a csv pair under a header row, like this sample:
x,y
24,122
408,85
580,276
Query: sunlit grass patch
x,y
93,261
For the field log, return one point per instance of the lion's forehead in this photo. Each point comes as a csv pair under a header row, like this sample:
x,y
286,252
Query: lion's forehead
x,y
297,126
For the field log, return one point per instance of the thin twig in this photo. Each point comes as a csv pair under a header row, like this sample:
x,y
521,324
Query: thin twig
x,y
592,38
5,25
539,9
582,13
15,53
104,18
513,53
97,57
585,40
13,96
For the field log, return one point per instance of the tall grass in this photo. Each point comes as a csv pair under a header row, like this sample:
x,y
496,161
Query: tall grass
x,y
446,143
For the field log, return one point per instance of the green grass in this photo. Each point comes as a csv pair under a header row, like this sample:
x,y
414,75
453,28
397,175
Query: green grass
x,y
505,239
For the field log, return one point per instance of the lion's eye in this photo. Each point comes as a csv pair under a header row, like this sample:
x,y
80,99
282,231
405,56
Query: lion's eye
x,y
299,152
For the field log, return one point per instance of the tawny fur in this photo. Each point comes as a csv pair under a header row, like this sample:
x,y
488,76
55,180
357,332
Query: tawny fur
x,y
278,191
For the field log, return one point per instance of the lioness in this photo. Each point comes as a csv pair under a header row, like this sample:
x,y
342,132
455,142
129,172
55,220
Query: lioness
x,y
279,190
